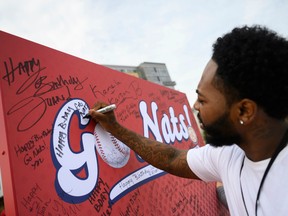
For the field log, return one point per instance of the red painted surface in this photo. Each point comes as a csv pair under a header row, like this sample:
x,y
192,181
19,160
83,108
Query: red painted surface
x,y
49,160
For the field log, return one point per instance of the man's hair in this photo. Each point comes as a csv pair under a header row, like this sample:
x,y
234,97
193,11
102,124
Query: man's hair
x,y
253,63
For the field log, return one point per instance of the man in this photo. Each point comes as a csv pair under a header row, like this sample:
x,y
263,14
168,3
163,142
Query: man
x,y
242,105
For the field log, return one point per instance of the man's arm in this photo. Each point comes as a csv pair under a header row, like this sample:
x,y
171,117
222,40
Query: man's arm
x,y
160,155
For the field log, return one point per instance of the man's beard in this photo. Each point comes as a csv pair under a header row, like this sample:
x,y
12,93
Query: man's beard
x,y
220,132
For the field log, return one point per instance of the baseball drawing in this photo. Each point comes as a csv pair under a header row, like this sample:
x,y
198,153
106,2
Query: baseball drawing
x,y
115,153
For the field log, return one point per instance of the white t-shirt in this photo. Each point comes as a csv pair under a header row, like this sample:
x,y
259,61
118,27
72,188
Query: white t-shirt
x,y
223,164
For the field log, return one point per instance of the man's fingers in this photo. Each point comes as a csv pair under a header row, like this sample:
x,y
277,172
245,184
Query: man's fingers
x,y
99,105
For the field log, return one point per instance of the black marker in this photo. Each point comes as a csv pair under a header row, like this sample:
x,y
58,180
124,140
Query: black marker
x,y
103,110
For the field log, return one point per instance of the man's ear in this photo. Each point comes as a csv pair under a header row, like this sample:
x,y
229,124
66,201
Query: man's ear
x,y
246,110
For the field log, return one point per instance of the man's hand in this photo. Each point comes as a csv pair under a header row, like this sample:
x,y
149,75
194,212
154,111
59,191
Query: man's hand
x,y
106,120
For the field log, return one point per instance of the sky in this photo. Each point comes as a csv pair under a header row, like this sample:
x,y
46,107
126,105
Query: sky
x,y
128,32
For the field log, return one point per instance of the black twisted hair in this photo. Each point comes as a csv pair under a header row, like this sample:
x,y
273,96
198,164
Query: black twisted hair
x,y
253,63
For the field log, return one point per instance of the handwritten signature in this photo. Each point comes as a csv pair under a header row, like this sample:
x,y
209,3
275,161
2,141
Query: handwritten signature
x,y
45,93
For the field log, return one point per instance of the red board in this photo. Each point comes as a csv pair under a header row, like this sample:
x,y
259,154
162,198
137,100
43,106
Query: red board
x,y
55,162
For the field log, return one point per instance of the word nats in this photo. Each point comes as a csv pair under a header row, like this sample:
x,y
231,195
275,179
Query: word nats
x,y
172,127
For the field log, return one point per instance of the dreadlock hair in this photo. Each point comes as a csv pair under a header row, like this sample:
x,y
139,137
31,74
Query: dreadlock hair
x,y
253,64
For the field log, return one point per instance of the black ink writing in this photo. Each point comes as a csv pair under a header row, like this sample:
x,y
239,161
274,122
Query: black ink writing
x,y
31,197
179,207
34,159
30,144
133,92
26,67
44,93
99,198
108,90
133,207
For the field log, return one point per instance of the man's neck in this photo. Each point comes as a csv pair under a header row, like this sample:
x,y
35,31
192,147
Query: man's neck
x,y
261,143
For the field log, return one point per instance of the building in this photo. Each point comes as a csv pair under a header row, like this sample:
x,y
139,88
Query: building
x,y
151,71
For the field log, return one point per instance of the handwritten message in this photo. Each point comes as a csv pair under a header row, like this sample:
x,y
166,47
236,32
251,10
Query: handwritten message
x,y
32,152
37,204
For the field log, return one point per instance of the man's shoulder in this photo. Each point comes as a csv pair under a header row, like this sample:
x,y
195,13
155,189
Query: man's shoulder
x,y
227,152
226,148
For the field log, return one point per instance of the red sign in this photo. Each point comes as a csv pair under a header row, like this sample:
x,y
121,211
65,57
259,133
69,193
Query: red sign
x,y
55,162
